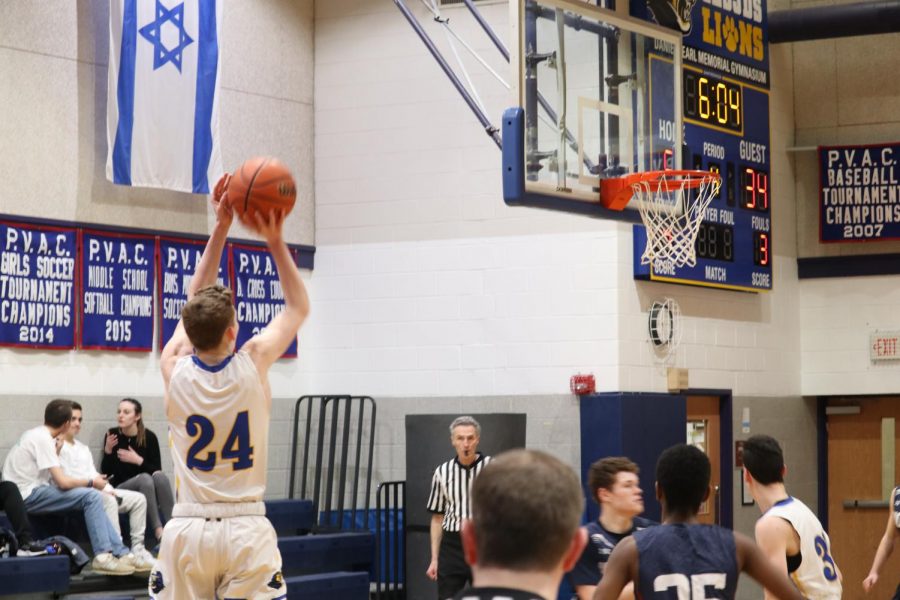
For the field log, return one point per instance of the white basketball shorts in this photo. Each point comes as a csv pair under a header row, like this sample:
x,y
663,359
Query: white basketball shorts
x,y
217,556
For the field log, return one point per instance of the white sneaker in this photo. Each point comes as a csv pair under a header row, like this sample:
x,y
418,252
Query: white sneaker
x,y
107,564
142,560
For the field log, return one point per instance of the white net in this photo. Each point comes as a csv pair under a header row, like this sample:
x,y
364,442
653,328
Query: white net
x,y
672,206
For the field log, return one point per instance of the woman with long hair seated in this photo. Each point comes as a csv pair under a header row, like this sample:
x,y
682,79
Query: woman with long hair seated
x,y
132,462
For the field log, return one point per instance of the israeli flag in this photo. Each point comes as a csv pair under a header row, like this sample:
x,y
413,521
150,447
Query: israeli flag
x,y
163,108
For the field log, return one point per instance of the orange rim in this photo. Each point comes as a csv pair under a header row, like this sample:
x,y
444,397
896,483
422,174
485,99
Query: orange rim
x,y
616,192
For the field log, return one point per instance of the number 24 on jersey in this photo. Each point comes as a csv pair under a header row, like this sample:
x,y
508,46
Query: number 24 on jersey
x,y
236,448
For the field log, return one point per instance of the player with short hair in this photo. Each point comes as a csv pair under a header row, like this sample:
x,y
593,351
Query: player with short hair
x,y
886,546
681,558
218,401
788,532
614,484
517,548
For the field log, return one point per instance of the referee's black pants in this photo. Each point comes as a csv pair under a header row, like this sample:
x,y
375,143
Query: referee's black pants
x,y
453,572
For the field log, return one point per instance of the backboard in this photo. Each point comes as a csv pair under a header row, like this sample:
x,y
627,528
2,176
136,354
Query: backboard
x,y
597,96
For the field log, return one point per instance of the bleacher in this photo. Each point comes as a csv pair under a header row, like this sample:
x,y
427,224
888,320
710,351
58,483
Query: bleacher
x,y
332,566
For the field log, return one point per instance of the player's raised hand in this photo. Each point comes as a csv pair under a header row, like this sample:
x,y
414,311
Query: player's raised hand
x,y
268,226
221,204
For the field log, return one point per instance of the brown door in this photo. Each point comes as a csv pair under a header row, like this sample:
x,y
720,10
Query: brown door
x,y
703,432
854,473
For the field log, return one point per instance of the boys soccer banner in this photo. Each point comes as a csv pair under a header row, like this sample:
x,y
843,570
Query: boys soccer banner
x,y
178,260
163,107
117,272
258,297
37,286
859,193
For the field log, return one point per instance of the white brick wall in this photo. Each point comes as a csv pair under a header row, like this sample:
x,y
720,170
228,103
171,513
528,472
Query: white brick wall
x,y
837,316
466,317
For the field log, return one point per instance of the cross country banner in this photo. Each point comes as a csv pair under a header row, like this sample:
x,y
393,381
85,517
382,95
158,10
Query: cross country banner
x,y
258,297
163,104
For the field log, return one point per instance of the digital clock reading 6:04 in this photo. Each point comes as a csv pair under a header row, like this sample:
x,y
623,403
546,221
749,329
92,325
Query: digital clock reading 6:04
x,y
712,101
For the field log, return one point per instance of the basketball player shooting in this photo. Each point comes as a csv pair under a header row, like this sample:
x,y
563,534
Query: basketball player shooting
x,y
219,543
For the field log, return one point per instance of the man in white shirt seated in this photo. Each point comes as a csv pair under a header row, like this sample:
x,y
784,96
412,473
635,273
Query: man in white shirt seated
x,y
76,461
32,463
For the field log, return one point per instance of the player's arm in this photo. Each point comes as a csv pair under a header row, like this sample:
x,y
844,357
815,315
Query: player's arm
x,y
621,568
760,567
207,269
885,548
269,344
436,532
772,534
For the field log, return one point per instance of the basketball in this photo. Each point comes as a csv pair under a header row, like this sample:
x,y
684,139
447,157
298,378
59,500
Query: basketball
x,y
262,184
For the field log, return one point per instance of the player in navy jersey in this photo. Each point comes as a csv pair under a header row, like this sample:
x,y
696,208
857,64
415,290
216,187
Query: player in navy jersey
x,y
517,547
613,483
682,559
886,546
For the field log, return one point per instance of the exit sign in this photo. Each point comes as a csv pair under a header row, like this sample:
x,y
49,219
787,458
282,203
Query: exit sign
x,y
883,345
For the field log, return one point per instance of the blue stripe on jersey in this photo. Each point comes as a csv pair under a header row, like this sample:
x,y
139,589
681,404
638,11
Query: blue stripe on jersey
x,y
211,368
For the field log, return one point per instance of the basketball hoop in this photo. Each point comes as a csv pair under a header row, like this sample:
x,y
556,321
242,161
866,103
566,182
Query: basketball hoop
x,y
672,205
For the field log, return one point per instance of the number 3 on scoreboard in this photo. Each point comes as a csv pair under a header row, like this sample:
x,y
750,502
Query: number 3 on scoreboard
x,y
236,448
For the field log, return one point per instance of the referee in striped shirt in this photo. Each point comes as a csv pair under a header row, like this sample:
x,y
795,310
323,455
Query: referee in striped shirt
x,y
449,505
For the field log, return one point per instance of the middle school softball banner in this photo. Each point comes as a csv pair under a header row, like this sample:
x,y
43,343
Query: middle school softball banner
x,y
163,106
117,274
859,193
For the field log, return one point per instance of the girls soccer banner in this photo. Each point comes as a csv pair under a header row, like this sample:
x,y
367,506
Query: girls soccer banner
x,y
258,296
117,272
37,286
859,193
178,260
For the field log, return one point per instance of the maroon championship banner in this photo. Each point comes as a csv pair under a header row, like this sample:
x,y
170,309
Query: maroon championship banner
x,y
178,260
38,286
258,297
117,275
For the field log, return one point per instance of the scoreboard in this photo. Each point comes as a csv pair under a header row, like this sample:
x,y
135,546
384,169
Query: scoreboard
x,y
725,104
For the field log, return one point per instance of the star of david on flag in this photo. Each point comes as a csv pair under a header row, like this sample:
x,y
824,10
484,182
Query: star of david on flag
x,y
163,107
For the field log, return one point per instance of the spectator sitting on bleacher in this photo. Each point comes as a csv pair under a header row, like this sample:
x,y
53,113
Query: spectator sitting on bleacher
x,y
75,458
32,463
11,502
131,460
